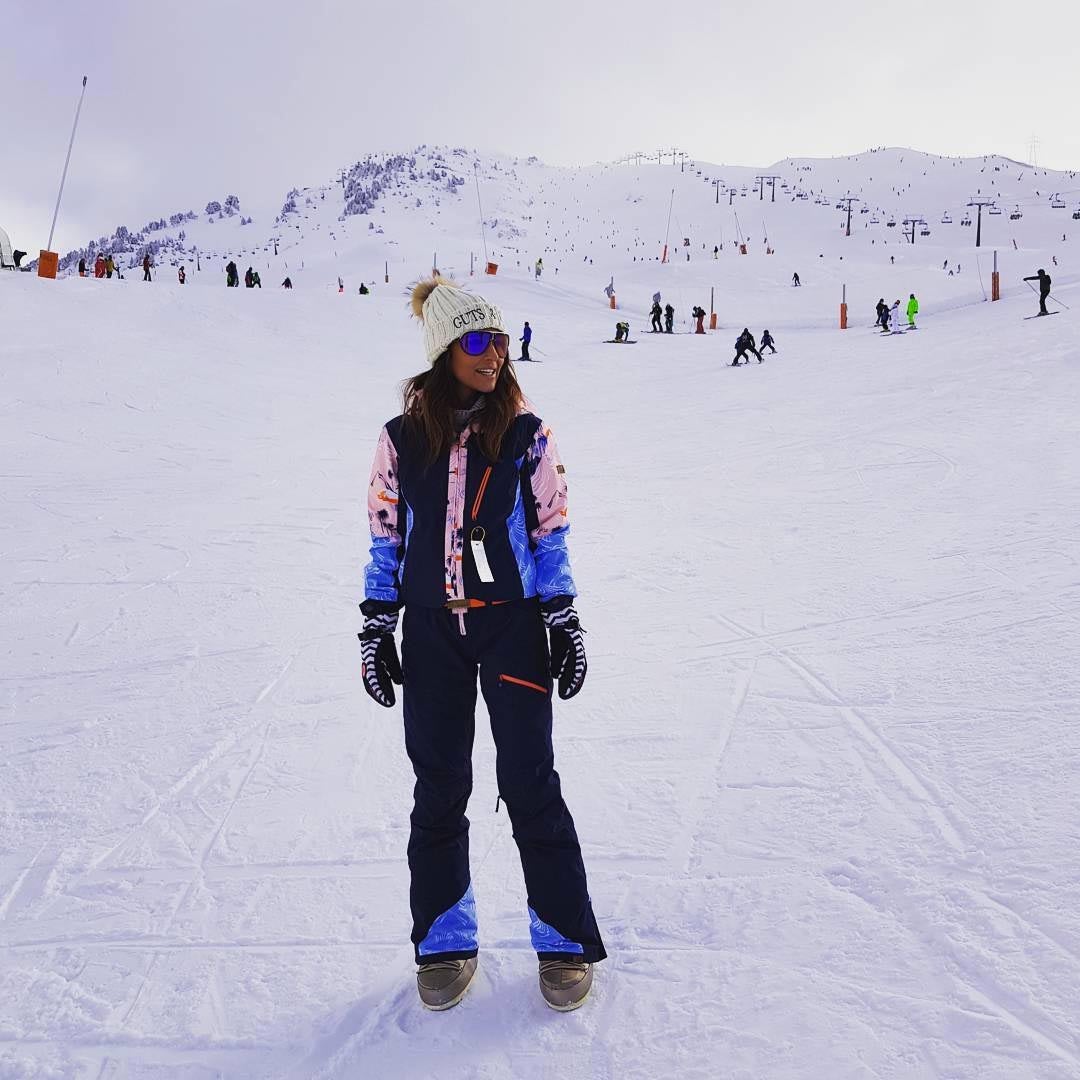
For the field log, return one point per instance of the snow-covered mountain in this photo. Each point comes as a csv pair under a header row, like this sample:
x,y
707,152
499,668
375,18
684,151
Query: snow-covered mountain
x,y
379,217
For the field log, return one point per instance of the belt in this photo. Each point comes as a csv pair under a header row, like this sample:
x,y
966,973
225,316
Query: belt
x,y
468,605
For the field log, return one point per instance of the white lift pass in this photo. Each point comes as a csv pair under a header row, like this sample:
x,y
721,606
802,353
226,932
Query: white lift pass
x,y
476,542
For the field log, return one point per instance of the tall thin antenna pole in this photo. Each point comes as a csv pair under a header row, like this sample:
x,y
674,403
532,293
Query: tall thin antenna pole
x,y
67,160
667,233
483,235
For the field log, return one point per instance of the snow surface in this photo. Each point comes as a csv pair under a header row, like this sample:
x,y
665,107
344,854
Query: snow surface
x,y
824,766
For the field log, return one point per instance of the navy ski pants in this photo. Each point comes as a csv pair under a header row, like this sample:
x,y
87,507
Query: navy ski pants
x,y
507,643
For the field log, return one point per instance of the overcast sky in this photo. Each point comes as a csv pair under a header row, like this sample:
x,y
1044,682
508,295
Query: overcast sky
x,y
189,100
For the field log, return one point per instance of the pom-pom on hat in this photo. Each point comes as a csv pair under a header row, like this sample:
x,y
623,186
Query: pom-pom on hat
x,y
447,311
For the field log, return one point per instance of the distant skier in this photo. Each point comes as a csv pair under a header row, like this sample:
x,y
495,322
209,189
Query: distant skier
x,y
340,284
232,275
912,311
656,315
767,342
744,343
882,312
894,315
795,280
249,279
110,267
669,319
99,266
539,269
256,280
526,337
287,283
1043,278
82,268
181,276
364,290
622,331
715,252
699,315
146,264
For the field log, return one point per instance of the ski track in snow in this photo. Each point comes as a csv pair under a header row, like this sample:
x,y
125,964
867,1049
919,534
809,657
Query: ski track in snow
x,y
823,768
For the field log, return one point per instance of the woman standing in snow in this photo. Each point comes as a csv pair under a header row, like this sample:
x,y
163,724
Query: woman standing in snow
x,y
467,508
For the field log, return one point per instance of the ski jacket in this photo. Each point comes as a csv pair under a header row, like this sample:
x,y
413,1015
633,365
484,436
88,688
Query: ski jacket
x,y
526,335
423,519
912,307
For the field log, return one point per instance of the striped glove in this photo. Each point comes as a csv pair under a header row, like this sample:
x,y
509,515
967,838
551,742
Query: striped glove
x,y
568,663
380,665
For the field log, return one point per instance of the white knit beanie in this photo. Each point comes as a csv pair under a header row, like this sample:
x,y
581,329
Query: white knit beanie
x,y
448,311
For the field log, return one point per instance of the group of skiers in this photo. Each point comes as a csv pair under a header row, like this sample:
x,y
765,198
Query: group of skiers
x,y
667,313
888,318
745,343
104,267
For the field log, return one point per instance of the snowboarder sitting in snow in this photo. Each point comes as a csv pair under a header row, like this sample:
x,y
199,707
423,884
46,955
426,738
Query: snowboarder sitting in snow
x,y
767,341
744,344
622,331
1043,278
669,319
364,290
656,315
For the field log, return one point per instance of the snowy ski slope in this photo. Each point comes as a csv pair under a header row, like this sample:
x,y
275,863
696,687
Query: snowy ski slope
x,y
824,765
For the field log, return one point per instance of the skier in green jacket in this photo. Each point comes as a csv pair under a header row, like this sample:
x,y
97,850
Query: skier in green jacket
x,y
912,311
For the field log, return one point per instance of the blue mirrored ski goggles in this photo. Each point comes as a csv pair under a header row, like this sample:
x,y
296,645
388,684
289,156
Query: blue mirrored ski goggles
x,y
476,342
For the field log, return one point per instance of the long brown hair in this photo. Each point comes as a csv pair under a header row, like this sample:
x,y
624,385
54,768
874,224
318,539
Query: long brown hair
x,y
430,399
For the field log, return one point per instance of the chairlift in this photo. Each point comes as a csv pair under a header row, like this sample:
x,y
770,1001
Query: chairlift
x,y
875,221
864,210
891,223
1057,202
995,210
924,231
1076,215
945,219
965,220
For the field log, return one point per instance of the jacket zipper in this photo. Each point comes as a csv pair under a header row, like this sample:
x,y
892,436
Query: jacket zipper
x,y
523,682
480,492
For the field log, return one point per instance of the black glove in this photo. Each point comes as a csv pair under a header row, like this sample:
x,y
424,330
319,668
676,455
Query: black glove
x,y
380,667
568,663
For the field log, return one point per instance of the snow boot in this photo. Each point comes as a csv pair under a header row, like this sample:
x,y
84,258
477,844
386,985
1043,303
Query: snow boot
x,y
565,983
442,984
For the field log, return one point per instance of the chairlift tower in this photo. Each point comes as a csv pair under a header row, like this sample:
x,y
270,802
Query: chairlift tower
x,y
980,202
761,180
849,199
914,222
